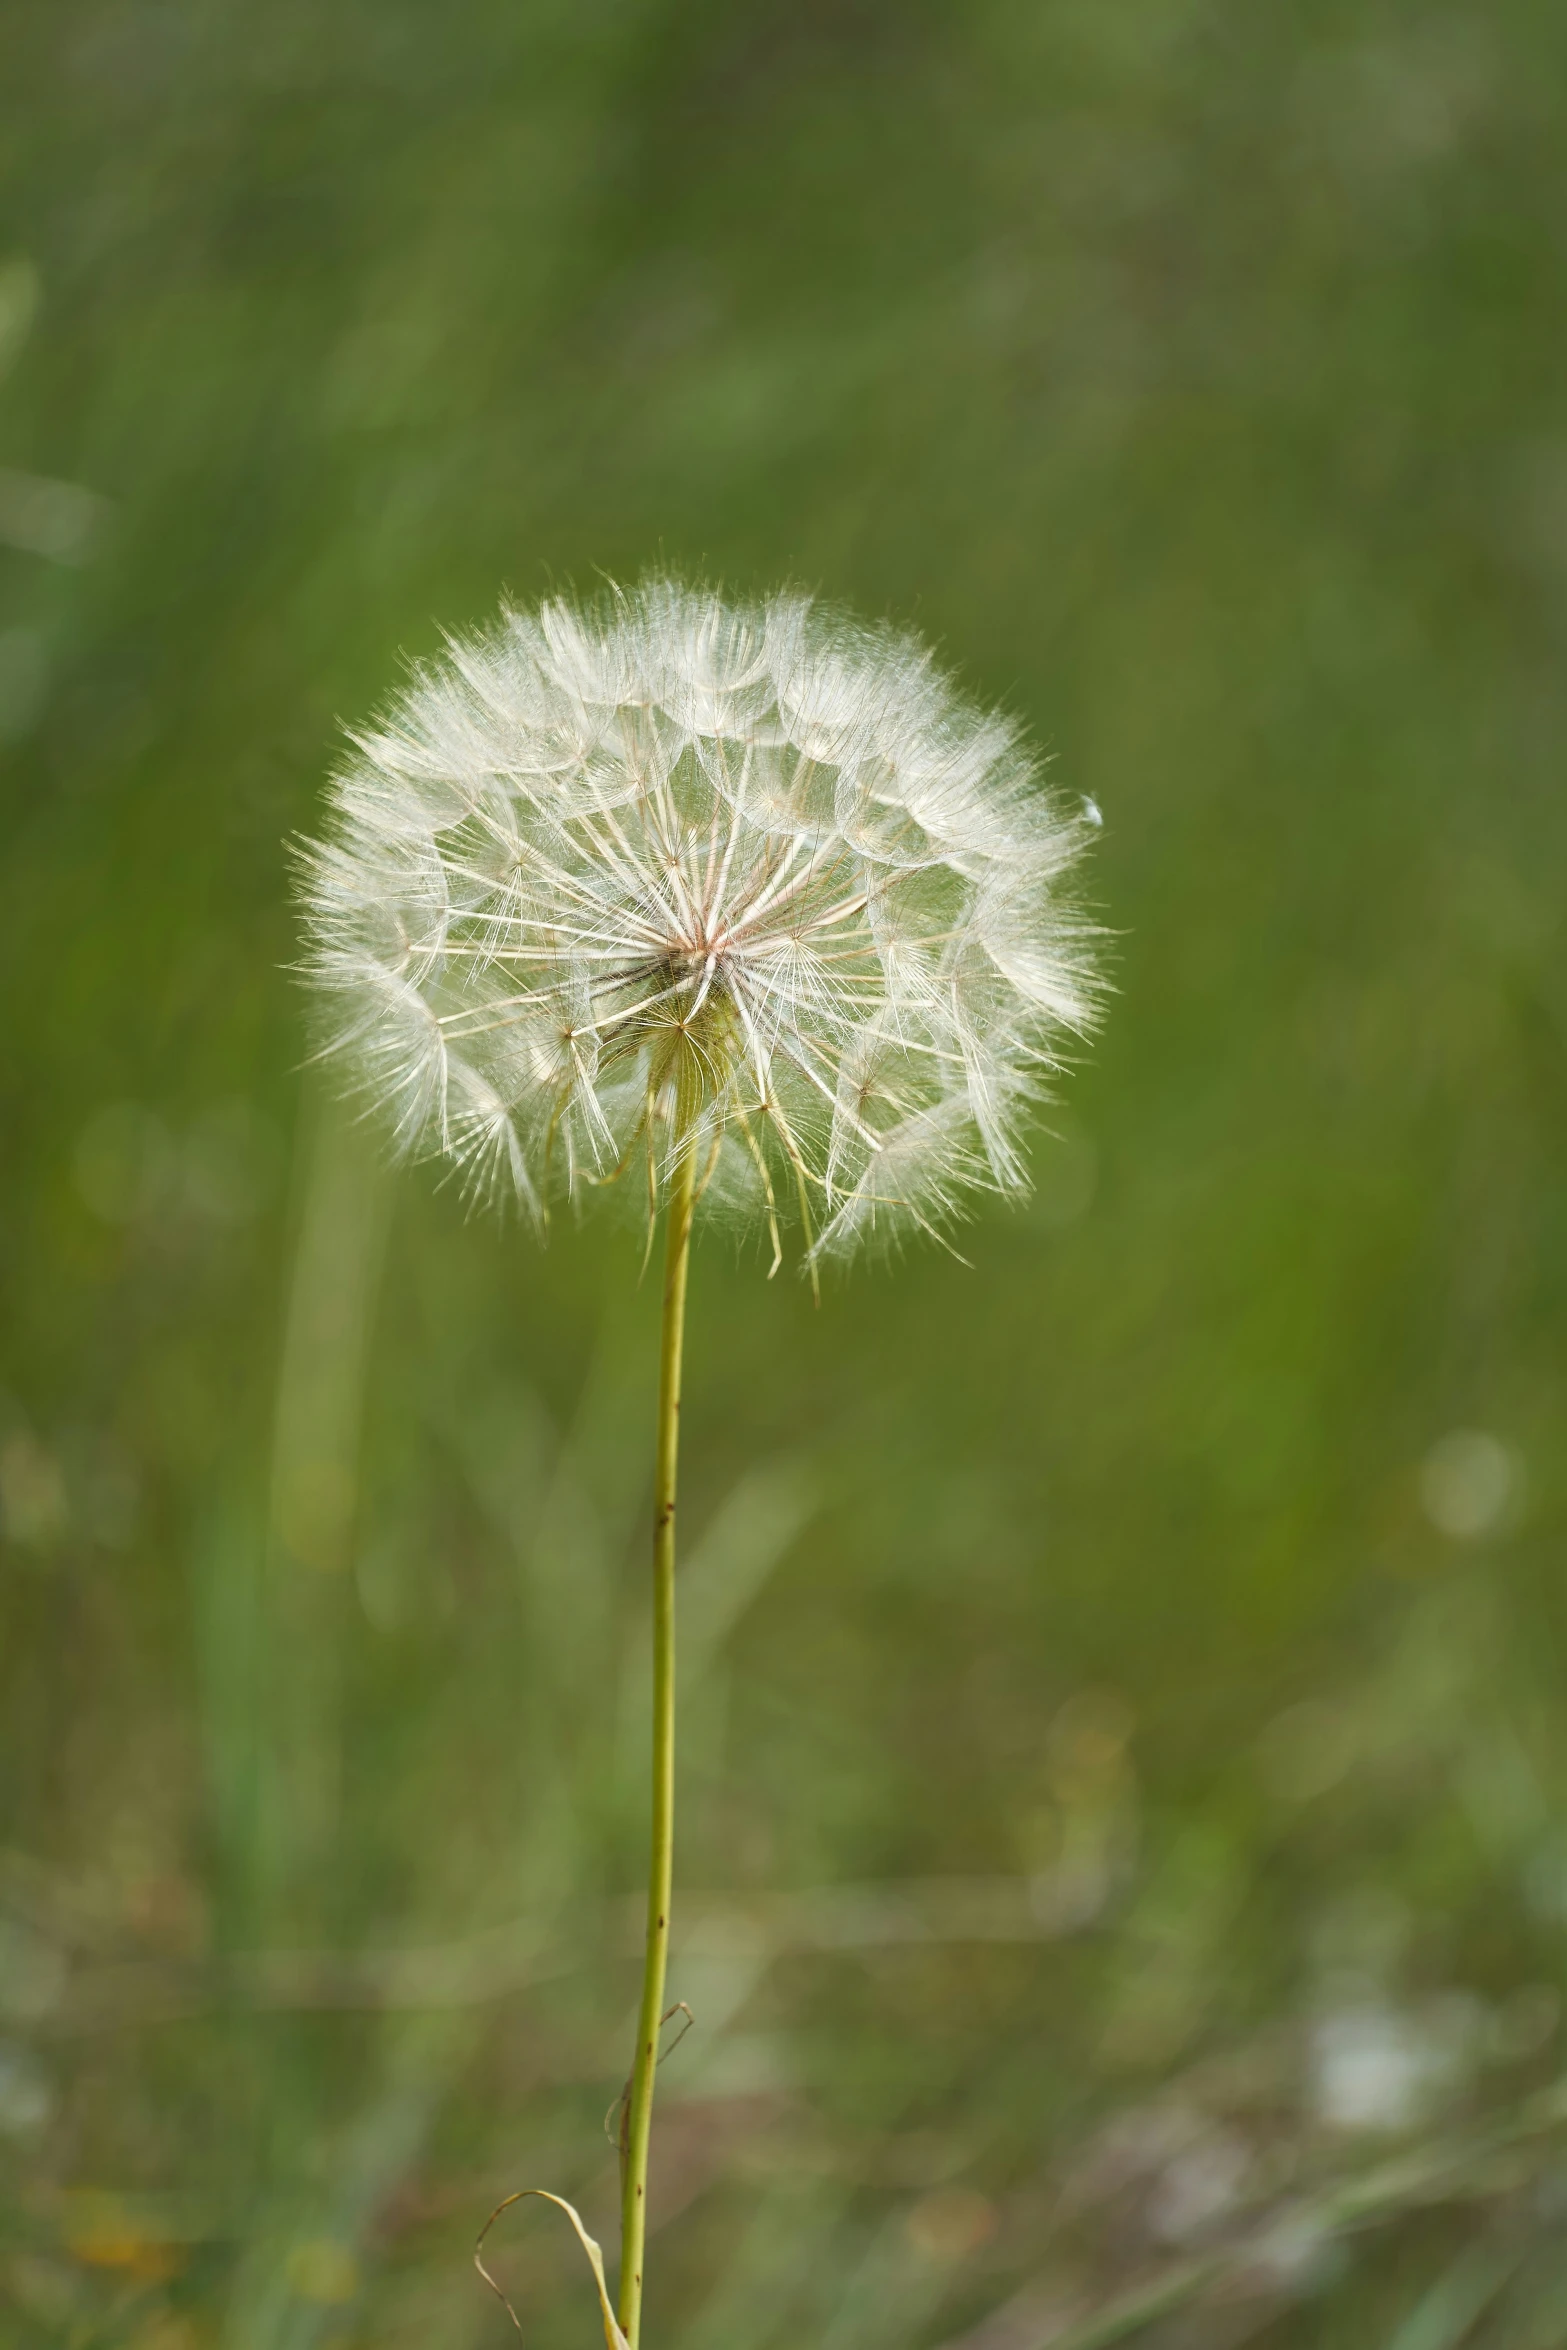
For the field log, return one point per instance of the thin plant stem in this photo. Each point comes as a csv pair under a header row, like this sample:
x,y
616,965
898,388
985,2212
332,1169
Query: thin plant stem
x,y
639,2124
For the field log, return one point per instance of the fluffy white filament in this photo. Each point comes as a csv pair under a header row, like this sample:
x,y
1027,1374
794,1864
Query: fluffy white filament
x,y
675,875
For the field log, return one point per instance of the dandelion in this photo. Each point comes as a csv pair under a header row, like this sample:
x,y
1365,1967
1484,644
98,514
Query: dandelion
x,y
737,909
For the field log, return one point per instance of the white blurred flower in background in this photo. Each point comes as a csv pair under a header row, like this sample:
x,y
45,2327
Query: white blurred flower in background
x,y
1470,1483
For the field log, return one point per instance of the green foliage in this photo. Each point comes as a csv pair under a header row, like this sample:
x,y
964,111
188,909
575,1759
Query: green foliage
x,y
1124,1829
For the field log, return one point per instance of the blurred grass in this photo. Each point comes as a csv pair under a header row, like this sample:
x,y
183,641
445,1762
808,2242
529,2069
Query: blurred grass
x,y
1124,1789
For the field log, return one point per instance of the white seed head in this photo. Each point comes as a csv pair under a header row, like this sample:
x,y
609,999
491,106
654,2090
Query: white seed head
x,y
672,876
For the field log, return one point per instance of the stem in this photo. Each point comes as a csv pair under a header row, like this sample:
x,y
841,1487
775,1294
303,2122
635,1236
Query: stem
x,y
633,2206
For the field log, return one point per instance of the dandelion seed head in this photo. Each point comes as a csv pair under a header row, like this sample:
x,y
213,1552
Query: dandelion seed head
x,y
668,876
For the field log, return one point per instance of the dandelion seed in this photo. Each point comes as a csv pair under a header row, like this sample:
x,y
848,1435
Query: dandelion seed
x,y
666,876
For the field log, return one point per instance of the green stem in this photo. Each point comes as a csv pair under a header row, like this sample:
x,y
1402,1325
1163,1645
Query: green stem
x,y
639,2125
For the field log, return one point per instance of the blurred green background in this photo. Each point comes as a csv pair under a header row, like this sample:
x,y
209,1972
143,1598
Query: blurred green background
x,y
1124,1774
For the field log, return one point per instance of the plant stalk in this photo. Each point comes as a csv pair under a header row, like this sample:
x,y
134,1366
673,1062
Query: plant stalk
x,y
639,2125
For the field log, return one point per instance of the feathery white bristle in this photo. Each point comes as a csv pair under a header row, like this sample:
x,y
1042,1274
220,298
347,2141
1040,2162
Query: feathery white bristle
x,y
670,874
